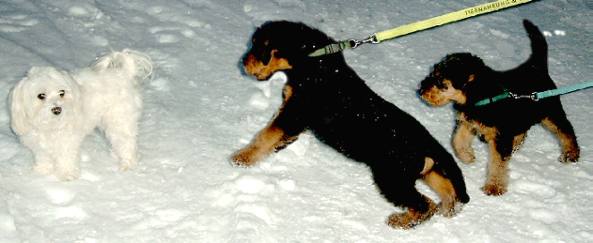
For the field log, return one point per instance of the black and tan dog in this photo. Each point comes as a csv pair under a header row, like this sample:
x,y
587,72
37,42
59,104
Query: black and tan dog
x,y
324,95
464,79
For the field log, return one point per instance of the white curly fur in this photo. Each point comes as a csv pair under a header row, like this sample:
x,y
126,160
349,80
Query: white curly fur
x,y
52,111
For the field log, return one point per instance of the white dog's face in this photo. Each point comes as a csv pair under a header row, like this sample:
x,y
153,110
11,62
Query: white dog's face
x,y
45,99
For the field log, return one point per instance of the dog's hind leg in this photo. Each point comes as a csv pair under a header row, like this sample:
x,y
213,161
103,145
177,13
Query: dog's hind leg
x,y
122,131
561,127
123,144
399,190
447,181
420,209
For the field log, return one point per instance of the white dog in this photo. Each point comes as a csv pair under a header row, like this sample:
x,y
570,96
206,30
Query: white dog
x,y
53,110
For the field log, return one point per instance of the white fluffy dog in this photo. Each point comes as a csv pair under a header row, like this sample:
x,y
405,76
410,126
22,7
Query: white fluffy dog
x,y
53,110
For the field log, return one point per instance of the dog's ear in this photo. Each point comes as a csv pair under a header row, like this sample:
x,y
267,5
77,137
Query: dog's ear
x,y
19,119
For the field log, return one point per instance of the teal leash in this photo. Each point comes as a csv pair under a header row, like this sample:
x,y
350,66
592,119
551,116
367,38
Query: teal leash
x,y
535,96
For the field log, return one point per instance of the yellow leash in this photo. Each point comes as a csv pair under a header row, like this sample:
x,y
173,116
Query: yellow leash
x,y
418,26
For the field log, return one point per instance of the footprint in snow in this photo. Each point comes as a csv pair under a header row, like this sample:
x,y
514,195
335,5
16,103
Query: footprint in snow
x,y
71,212
59,196
543,215
78,11
160,84
6,224
16,22
247,195
554,33
532,188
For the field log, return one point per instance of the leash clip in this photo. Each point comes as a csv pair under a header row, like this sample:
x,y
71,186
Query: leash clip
x,y
356,43
532,96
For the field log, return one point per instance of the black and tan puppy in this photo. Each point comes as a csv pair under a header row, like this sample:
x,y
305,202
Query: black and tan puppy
x,y
324,95
464,79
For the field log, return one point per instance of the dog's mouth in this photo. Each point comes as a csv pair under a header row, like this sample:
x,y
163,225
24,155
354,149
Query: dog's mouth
x,y
432,96
436,96
261,71
56,110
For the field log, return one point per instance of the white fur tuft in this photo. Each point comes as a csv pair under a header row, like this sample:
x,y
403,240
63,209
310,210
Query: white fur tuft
x,y
131,63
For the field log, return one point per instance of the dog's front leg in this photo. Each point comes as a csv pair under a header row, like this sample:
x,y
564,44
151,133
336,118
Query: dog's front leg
x,y
67,165
65,152
279,133
43,163
268,140
462,141
500,154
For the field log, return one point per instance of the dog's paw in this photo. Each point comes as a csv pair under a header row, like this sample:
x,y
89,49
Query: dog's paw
x,y
494,189
411,218
447,208
569,156
44,168
466,155
450,209
127,165
244,157
402,221
67,174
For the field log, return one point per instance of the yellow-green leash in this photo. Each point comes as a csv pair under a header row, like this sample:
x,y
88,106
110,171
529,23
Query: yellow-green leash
x,y
418,26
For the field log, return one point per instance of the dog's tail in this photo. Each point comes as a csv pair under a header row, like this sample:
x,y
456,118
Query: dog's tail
x,y
539,46
446,166
133,64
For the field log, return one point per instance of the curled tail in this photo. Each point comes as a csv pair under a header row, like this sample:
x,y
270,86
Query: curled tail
x,y
133,64
539,46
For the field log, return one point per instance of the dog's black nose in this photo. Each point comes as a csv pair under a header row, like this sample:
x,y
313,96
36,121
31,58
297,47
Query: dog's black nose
x,y
56,110
420,90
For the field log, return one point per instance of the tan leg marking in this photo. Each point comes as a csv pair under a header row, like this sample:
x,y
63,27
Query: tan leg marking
x,y
287,92
428,164
497,178
497,175
268,140
570,147
518,141
411,218
462,141
444,188
262,144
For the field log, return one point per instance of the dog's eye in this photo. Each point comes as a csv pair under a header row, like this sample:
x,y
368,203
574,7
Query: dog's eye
x,y
41,96
62,93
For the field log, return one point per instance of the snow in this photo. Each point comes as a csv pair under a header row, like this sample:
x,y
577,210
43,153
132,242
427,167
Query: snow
x,y
199,108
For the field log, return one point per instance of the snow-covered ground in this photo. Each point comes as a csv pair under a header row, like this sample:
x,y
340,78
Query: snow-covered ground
x,y
199,109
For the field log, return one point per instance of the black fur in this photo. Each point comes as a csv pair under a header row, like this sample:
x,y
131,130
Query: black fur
x,y
330,100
